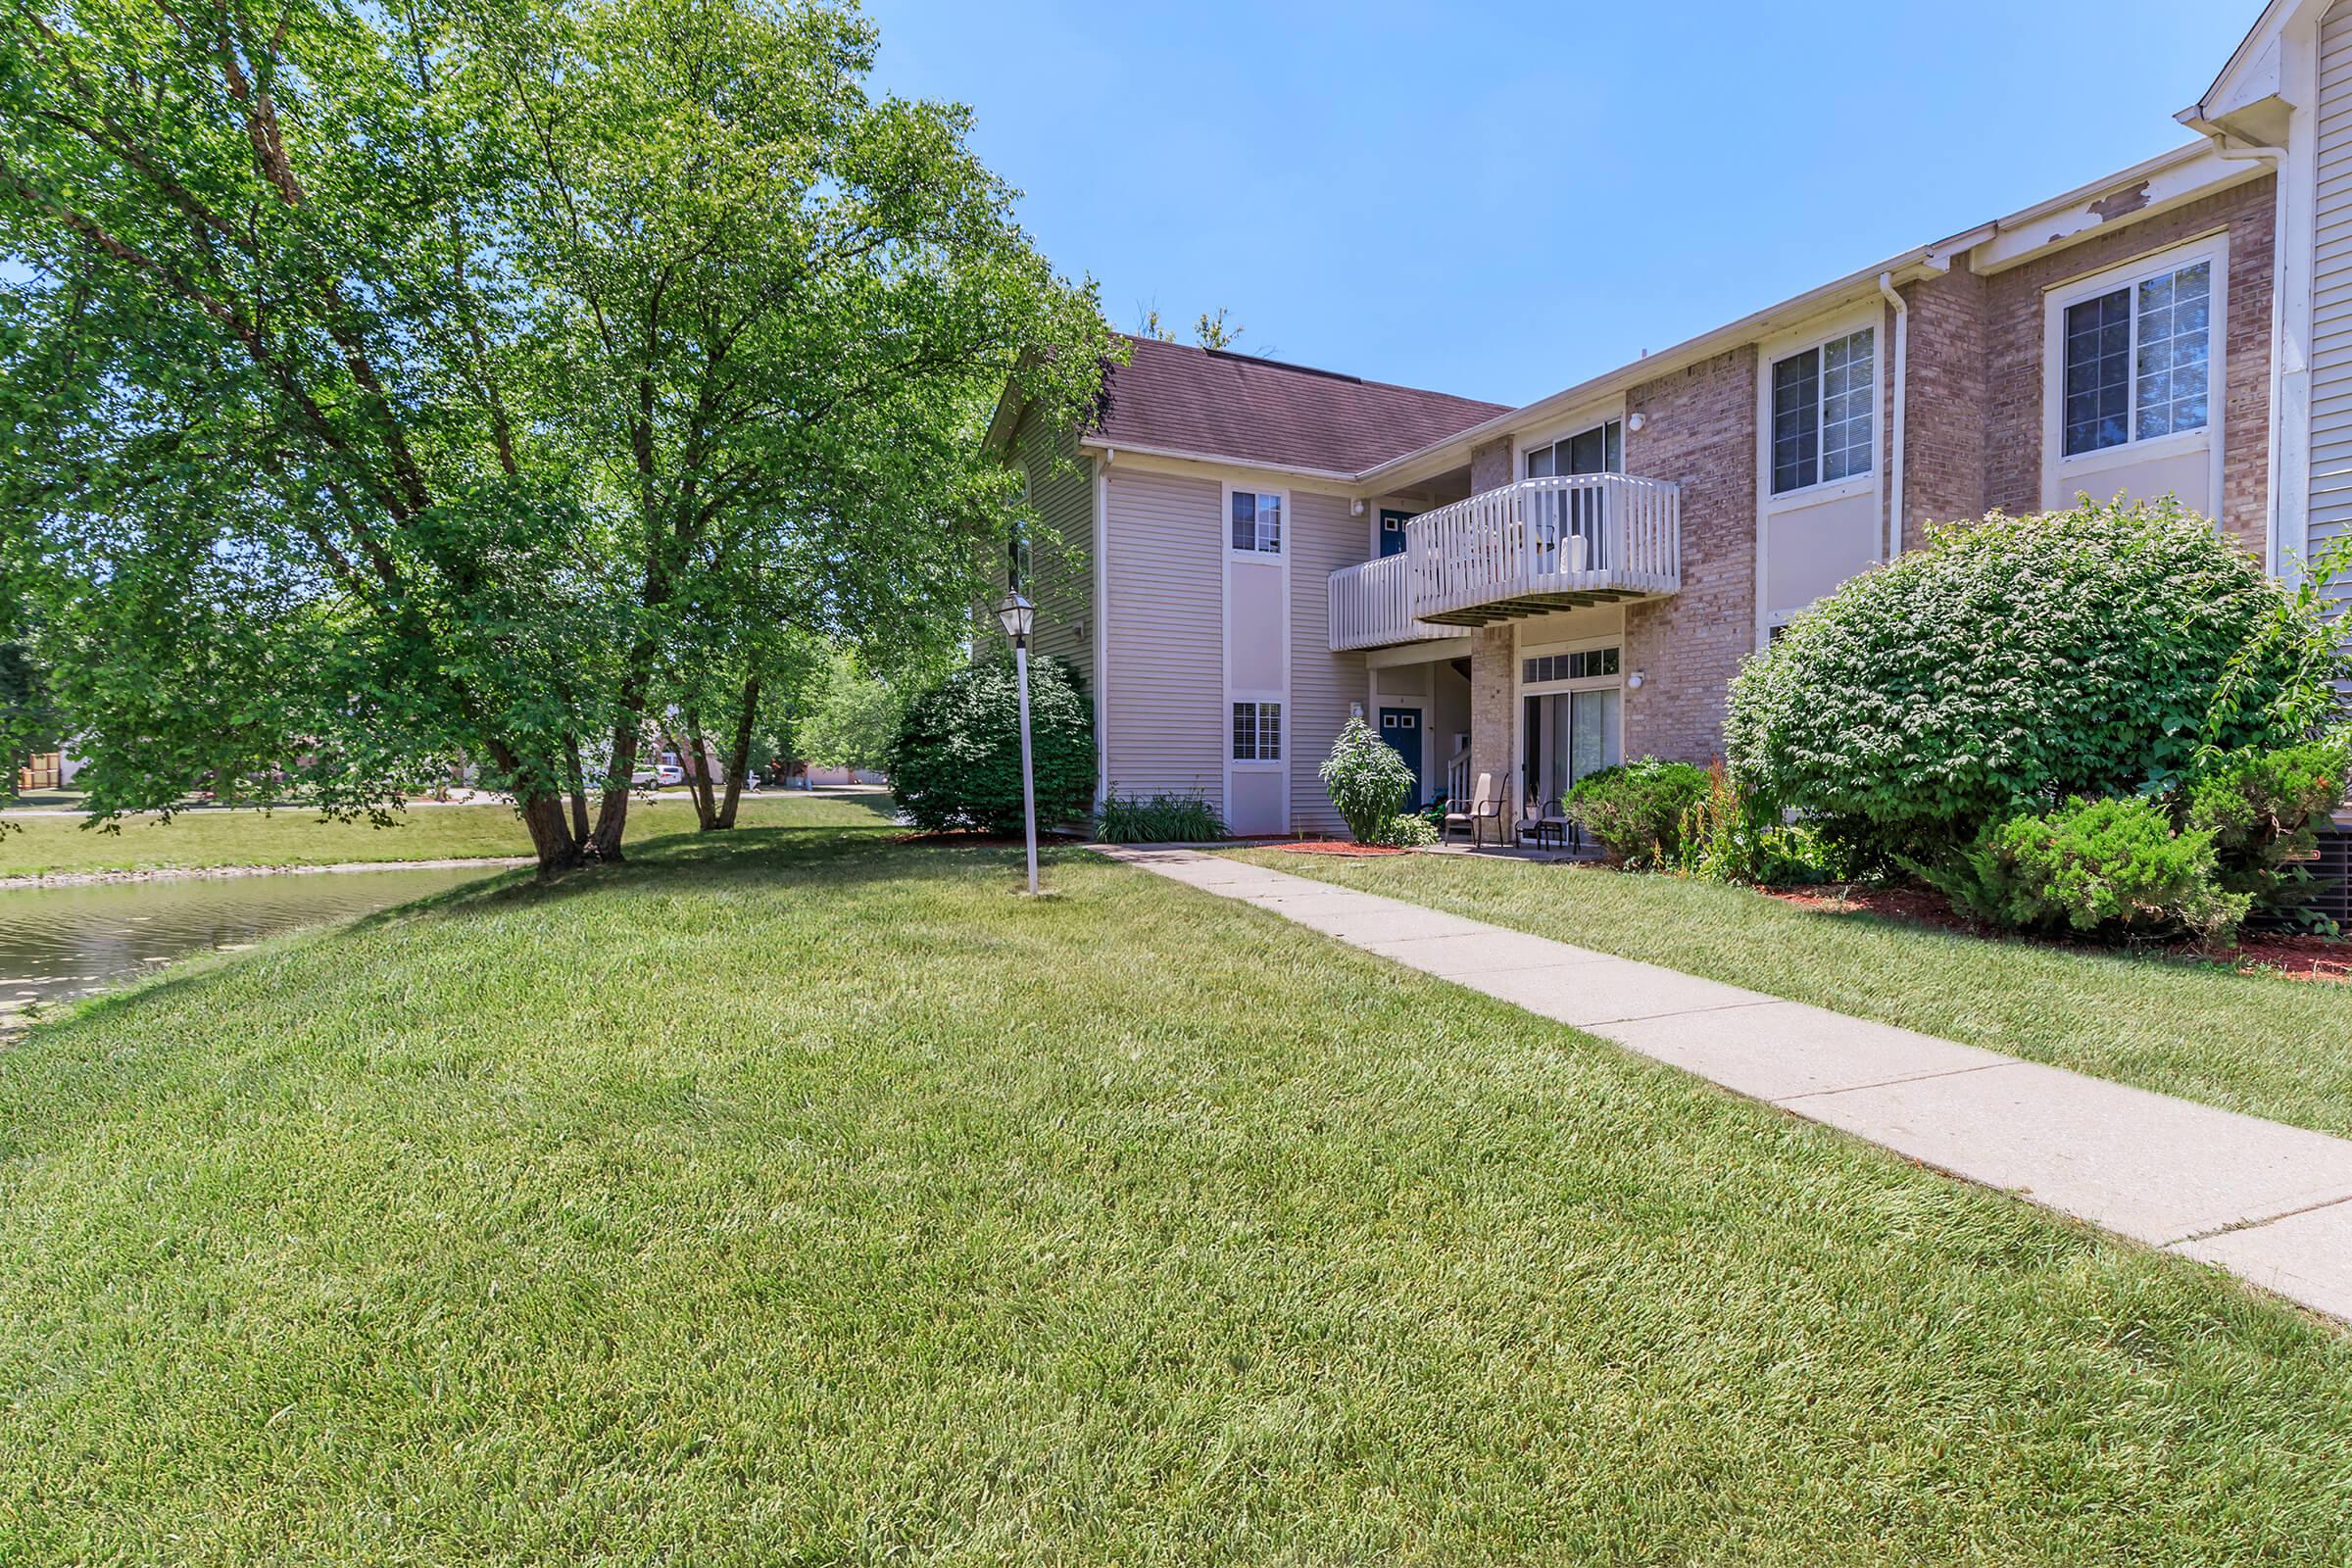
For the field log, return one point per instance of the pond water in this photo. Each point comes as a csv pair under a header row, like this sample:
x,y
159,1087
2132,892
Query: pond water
x,y
68,941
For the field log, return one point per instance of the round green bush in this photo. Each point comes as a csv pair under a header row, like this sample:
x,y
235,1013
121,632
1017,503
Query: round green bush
x,y
1636,811
955,761
2014,665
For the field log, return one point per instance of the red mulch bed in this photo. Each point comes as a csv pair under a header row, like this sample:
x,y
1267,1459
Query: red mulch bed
x,y
1339,847
2271,952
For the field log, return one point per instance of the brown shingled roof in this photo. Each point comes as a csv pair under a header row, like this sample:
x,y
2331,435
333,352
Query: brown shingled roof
x,y
1182,399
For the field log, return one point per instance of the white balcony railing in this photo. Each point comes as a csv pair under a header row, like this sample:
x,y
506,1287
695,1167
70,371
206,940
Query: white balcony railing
x,y
1520,550
1370,608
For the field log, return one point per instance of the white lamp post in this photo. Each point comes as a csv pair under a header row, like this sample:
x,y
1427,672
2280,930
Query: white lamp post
x,y
1017,616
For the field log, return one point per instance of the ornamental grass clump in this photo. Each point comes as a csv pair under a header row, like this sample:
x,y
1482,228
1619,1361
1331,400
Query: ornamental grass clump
x,y
1161,819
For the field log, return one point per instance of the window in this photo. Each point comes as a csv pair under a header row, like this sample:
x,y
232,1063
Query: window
x,y
1589,663
1017,561
1824,405
1600,450
1257,732
2136,359
1257,523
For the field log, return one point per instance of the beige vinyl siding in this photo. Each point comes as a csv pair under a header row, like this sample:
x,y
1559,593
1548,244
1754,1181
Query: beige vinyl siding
x,y
1062,548
1324,537
2331,496
1166,703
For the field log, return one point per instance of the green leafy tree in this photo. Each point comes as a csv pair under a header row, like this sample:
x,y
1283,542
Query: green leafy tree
x,y
390,385
851,716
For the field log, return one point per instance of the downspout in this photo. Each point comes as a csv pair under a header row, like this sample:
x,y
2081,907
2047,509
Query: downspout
x,y
1102,649
1902,396
2274,547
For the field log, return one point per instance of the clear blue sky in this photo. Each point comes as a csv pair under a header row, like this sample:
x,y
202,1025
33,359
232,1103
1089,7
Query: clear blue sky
x,y
1501,199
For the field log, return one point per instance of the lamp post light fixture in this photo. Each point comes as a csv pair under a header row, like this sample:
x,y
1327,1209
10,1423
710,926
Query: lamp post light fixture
x,y
1018,617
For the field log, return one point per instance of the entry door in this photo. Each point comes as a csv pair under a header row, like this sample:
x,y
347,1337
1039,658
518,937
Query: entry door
x,y
1400,727
1392,530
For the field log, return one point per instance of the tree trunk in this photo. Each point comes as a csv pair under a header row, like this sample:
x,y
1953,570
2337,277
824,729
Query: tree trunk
x,y
698,773
612,812
579,786
552,838
739,761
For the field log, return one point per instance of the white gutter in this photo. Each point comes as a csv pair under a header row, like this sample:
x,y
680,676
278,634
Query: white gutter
x,y
1935,258
1097,443
1903,399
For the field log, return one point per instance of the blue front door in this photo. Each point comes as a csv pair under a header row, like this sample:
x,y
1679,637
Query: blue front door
x,y
1400,727
1392,530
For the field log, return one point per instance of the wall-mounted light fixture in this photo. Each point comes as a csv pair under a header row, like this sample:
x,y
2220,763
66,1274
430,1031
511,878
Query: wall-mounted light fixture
x,y
1635,420
1633,681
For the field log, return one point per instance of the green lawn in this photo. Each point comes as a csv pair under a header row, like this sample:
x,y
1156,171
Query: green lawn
x,y
2273,1048
811,1199
49,845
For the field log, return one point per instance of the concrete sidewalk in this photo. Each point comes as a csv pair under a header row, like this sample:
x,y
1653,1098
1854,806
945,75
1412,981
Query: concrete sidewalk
x,y
2269,1203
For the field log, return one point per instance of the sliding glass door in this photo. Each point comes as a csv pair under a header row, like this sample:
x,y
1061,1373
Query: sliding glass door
x,y
1570,526
1568,735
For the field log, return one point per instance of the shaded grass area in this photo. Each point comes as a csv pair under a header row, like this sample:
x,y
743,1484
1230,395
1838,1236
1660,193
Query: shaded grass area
x,y
2264,1045
292,836
811,1199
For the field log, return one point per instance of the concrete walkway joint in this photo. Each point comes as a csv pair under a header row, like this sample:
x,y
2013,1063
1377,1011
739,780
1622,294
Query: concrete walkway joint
x,y
2269,1203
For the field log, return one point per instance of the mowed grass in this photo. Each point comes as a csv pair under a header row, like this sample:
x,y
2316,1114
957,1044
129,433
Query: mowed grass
x,y
2264,1046
812,1198
52,845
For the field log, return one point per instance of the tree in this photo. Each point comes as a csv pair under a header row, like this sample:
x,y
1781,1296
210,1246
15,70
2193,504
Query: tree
x,y
399,384
28,721
851,716
1212,332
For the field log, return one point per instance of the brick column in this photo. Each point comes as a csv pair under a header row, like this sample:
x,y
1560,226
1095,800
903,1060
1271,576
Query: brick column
x,y
1494,720
1494,716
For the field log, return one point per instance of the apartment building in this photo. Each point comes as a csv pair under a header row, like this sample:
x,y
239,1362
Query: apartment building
x,y
1242,553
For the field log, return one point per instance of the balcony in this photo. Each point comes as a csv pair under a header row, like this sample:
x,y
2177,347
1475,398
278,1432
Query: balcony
x,y
1526,549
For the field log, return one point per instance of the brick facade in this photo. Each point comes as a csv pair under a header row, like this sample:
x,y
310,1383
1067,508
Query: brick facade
x,y
1944,428
1699,427
1490,465
2013,350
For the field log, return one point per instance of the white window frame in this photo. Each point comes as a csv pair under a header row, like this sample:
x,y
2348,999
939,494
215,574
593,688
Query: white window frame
x,y
1258,721
1583,683
1282,537
2063,473
1818,342
1597,419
